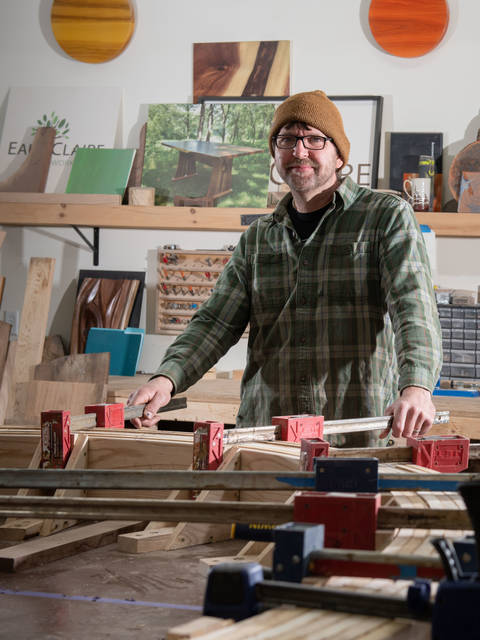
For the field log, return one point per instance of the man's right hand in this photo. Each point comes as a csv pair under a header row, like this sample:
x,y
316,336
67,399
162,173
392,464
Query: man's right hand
x,y
155,394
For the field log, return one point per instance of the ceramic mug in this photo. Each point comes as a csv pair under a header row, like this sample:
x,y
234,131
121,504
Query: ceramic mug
x,y
418,193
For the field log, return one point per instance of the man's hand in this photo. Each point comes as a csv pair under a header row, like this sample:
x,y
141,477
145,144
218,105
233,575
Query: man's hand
x,y
155,394
413,413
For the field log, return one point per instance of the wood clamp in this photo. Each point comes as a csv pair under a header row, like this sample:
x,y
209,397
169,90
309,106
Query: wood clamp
x,y
210,437
57,426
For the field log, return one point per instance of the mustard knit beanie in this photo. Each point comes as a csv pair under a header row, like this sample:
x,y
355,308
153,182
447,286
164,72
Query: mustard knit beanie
x,y
315,109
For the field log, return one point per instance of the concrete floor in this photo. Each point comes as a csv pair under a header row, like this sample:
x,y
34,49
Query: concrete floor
x,y
153,592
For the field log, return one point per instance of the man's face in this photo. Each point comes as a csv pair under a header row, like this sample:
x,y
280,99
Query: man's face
x,y
307,171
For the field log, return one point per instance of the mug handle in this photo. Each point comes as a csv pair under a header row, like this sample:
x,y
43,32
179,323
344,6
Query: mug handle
x,y
409,194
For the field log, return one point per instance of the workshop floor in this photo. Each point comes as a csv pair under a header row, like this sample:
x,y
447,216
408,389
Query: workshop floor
x,y
104,593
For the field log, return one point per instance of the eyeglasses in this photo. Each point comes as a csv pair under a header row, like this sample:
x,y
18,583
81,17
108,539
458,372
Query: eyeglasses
x,y
309,142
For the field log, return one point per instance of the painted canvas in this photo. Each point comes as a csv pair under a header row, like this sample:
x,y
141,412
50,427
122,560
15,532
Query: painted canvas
x,y
246,69
209,154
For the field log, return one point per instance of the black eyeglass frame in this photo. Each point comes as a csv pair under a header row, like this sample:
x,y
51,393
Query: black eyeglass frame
x,y
302,138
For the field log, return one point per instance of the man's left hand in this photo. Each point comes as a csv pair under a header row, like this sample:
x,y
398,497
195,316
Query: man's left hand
x,y
413,413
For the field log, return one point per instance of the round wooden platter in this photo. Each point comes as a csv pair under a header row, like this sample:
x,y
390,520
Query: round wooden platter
x,y
92,30
468,159
408,28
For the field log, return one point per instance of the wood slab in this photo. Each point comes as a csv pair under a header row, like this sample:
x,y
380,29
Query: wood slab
x,y
80,367
101,302
408,28
35,396
62,198
92,31
241,68
63,544
32,175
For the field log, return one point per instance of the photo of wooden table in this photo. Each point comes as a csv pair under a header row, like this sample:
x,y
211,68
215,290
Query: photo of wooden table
x,y
218,156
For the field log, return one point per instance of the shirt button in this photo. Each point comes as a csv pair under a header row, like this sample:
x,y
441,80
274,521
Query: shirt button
x,y
303,340
303,379
306,262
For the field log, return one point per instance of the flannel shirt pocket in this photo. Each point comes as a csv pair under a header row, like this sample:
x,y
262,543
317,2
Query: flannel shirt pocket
x,y
350,272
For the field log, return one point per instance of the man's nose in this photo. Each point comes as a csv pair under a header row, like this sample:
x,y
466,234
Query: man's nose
x,y
299,150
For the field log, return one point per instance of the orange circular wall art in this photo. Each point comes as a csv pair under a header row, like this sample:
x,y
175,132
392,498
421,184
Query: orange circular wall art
x,y
408,28
92,30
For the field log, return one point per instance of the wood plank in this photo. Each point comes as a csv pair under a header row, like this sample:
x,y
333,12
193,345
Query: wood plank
x,y
33,172
44,395
62,198
63,544
198,627
455,225
78,459
80,367
5,329
33,324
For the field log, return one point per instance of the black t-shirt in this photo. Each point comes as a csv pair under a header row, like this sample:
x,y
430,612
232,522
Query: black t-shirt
x,y
306,223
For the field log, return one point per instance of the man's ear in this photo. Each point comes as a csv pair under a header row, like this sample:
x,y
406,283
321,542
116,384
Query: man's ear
x,y
339,162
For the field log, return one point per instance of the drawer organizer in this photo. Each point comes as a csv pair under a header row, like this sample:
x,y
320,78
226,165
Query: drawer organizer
x,y
185,280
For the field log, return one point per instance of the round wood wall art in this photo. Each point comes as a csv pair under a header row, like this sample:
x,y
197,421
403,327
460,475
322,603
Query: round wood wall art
x,y
92,30
408,28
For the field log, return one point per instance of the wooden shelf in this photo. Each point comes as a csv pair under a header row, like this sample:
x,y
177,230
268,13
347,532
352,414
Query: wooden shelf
x,y
455,225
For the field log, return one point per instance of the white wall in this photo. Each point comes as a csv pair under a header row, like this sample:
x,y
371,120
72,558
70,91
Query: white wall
x,y
332,49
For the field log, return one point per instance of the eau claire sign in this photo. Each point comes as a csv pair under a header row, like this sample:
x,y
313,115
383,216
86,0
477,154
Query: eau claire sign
x,y
82,117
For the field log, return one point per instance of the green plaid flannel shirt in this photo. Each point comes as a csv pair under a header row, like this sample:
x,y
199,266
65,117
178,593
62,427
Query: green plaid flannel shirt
x,y
339,324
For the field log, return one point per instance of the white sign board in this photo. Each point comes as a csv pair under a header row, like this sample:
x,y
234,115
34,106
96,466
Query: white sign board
x,y
82,116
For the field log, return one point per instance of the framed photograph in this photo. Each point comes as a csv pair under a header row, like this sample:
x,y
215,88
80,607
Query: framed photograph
x,y
209,154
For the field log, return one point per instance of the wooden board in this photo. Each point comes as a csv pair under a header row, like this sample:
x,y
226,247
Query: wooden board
x,y
35,396
80,367
408,28
241,69
33,324
32,175
62,198
63,544
101,302
92,31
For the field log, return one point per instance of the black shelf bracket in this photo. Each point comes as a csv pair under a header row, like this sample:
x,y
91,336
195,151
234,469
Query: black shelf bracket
x,y
93,246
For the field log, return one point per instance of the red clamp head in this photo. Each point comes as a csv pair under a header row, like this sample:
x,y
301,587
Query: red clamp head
x,y
350,519
109,416
311,448
448,454
56,439
207,445
294,428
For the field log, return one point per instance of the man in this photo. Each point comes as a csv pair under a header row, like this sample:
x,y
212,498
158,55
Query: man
x,y
336,286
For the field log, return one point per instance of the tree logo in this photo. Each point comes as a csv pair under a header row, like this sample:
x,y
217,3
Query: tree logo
x,y
61,126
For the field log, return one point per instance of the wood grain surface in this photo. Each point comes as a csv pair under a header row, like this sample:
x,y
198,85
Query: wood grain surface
x,y
101,302
408,28
32,175
241,69
92,30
